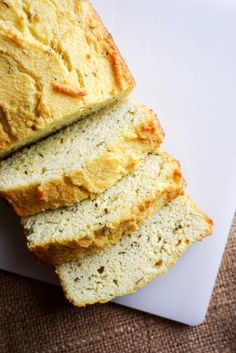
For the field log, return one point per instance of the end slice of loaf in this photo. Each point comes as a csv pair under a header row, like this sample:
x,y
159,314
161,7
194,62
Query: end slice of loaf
x,y
82,160
73,232
137,258
58,63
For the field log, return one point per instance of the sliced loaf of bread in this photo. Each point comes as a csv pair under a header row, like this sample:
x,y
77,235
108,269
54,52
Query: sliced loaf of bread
x,y
64,234
137,258
82,160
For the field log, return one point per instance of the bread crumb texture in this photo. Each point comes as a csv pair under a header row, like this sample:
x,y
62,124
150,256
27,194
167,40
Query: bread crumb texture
x,y
57,63
137,258
73,232
80,161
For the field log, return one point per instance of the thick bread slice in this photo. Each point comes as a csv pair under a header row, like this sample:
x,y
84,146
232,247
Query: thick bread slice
x,y
81,160
73,232
137,258
57,63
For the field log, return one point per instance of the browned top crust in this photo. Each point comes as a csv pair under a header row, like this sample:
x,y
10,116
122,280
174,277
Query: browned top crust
x,y
55,65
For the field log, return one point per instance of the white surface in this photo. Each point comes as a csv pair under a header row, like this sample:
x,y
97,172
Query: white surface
x,y
182,54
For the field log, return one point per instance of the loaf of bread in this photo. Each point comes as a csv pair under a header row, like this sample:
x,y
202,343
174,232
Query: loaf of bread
x,y
82,160
57,64
56,236
137,258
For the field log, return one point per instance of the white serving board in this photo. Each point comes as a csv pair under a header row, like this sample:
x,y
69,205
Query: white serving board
x,y
182,54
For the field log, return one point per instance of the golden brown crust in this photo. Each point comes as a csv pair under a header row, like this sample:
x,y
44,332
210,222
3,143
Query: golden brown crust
x,y
120,69
42,109
67,250
13,37
51,78
92,178
68,90
40,193
151,128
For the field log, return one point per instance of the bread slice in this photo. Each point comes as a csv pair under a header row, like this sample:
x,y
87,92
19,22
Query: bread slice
x,y
82,160
137,258
57,63
71,233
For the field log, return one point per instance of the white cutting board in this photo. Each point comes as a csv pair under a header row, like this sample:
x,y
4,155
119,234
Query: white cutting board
x,y
183,57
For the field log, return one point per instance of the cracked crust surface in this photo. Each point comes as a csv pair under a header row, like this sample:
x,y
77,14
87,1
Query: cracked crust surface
x,y
137,258
70,233
56,65
80,161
